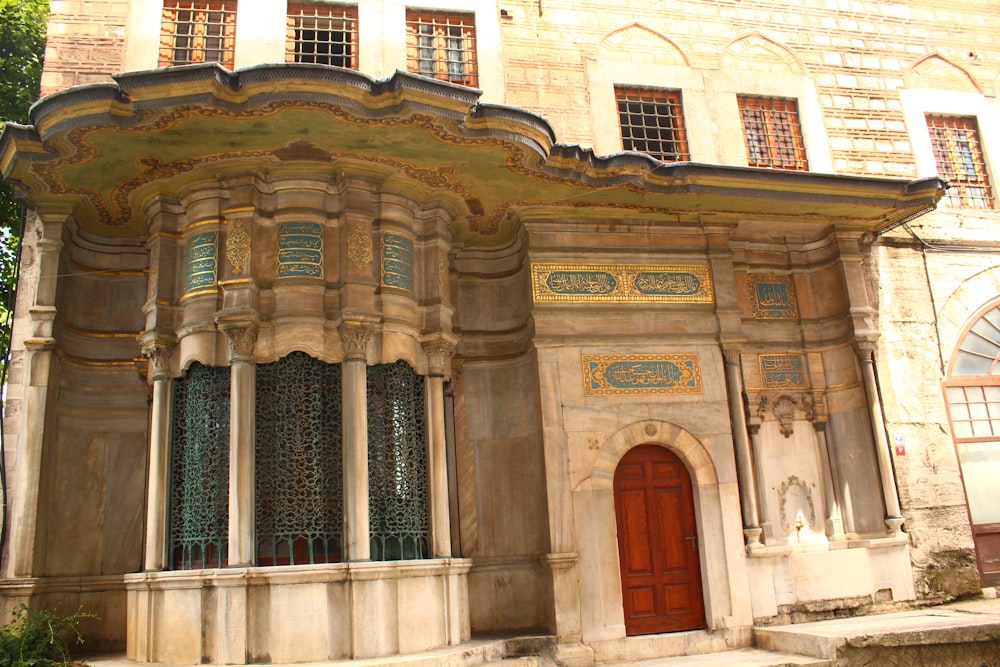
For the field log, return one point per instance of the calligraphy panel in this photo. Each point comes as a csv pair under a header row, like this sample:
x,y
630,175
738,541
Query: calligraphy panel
x,y
772,297
622,283
641,374
397,261
201,262
782,371
300,250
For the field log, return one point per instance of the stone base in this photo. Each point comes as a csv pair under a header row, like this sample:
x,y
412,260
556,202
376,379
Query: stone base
x,y
293,614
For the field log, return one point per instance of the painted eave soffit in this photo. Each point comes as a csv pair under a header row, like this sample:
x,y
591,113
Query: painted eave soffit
x,y
105,149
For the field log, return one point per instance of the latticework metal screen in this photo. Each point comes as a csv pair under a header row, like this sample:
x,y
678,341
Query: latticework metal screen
x,y
299,489
199,469
652,122
322,33
398,495
959,157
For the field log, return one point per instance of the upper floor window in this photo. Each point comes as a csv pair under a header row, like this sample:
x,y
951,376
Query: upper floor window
x,y
652,122
197,31
322,33
772,132
442,45
959,158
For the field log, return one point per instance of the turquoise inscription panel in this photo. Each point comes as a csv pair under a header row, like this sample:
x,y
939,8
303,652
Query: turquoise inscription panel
x,y
300,250
397,262
202,261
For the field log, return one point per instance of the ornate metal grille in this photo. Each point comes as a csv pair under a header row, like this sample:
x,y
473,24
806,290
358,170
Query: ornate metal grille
x,y
398,496
300,497
199,469
198,31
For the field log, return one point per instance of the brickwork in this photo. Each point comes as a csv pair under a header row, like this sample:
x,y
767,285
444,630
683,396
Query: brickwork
x,y
85,44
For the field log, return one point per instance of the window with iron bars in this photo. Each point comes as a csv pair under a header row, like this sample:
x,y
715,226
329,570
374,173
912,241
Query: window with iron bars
x,y
959,157
323,34
442,46
772,133
652,122
197,31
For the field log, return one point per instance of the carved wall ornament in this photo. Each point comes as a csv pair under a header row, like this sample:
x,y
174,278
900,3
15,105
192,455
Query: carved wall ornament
x,y
159,353
443,276
359,249
796,507
784,412
238,246
154,274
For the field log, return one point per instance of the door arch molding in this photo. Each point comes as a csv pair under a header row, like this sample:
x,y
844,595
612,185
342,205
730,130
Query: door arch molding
x,y
654,432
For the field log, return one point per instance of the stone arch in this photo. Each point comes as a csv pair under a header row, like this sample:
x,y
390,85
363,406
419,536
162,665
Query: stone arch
x,y
756,52
935,72
651,431
637,43
975,293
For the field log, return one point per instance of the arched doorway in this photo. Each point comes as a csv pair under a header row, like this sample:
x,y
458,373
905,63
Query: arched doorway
x,y
657,543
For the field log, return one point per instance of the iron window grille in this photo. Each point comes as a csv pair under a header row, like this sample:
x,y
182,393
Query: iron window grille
x,y
959,157
443,46
772,133
323,34
398,486
197,31
652,122
199,469
299,497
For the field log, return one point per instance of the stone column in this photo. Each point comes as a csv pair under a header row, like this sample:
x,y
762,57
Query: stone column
x,y
241,335
893,518
354,335
438,356
39,370
159,349
834,521
741,443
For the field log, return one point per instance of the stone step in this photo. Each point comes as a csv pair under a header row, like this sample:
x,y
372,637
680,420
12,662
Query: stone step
x,y
744,657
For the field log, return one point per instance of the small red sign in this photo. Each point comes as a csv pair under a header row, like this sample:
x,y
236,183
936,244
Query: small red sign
x,y
900,450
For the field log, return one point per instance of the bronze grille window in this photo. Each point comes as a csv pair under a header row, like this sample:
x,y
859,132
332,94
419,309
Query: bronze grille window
x,y
959,157
197,31
772,132
652,122
322,34
442,46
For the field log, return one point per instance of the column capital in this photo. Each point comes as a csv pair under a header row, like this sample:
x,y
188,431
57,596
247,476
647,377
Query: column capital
x,y
241,335
158,347
355,331
731,351
439,353
864,349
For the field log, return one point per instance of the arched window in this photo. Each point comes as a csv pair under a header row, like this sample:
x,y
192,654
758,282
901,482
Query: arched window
x,y
973,396
298,464
199,469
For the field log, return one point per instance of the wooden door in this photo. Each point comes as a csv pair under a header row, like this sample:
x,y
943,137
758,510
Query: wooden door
x,y
657,543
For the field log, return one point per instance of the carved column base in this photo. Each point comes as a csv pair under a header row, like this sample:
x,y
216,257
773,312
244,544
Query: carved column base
x,y
894,525
752,536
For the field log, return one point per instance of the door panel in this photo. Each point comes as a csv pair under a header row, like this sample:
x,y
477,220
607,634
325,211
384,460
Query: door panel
x,y
657,545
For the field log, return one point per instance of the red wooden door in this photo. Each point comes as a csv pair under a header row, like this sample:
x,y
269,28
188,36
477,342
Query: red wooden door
x,y
657,543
